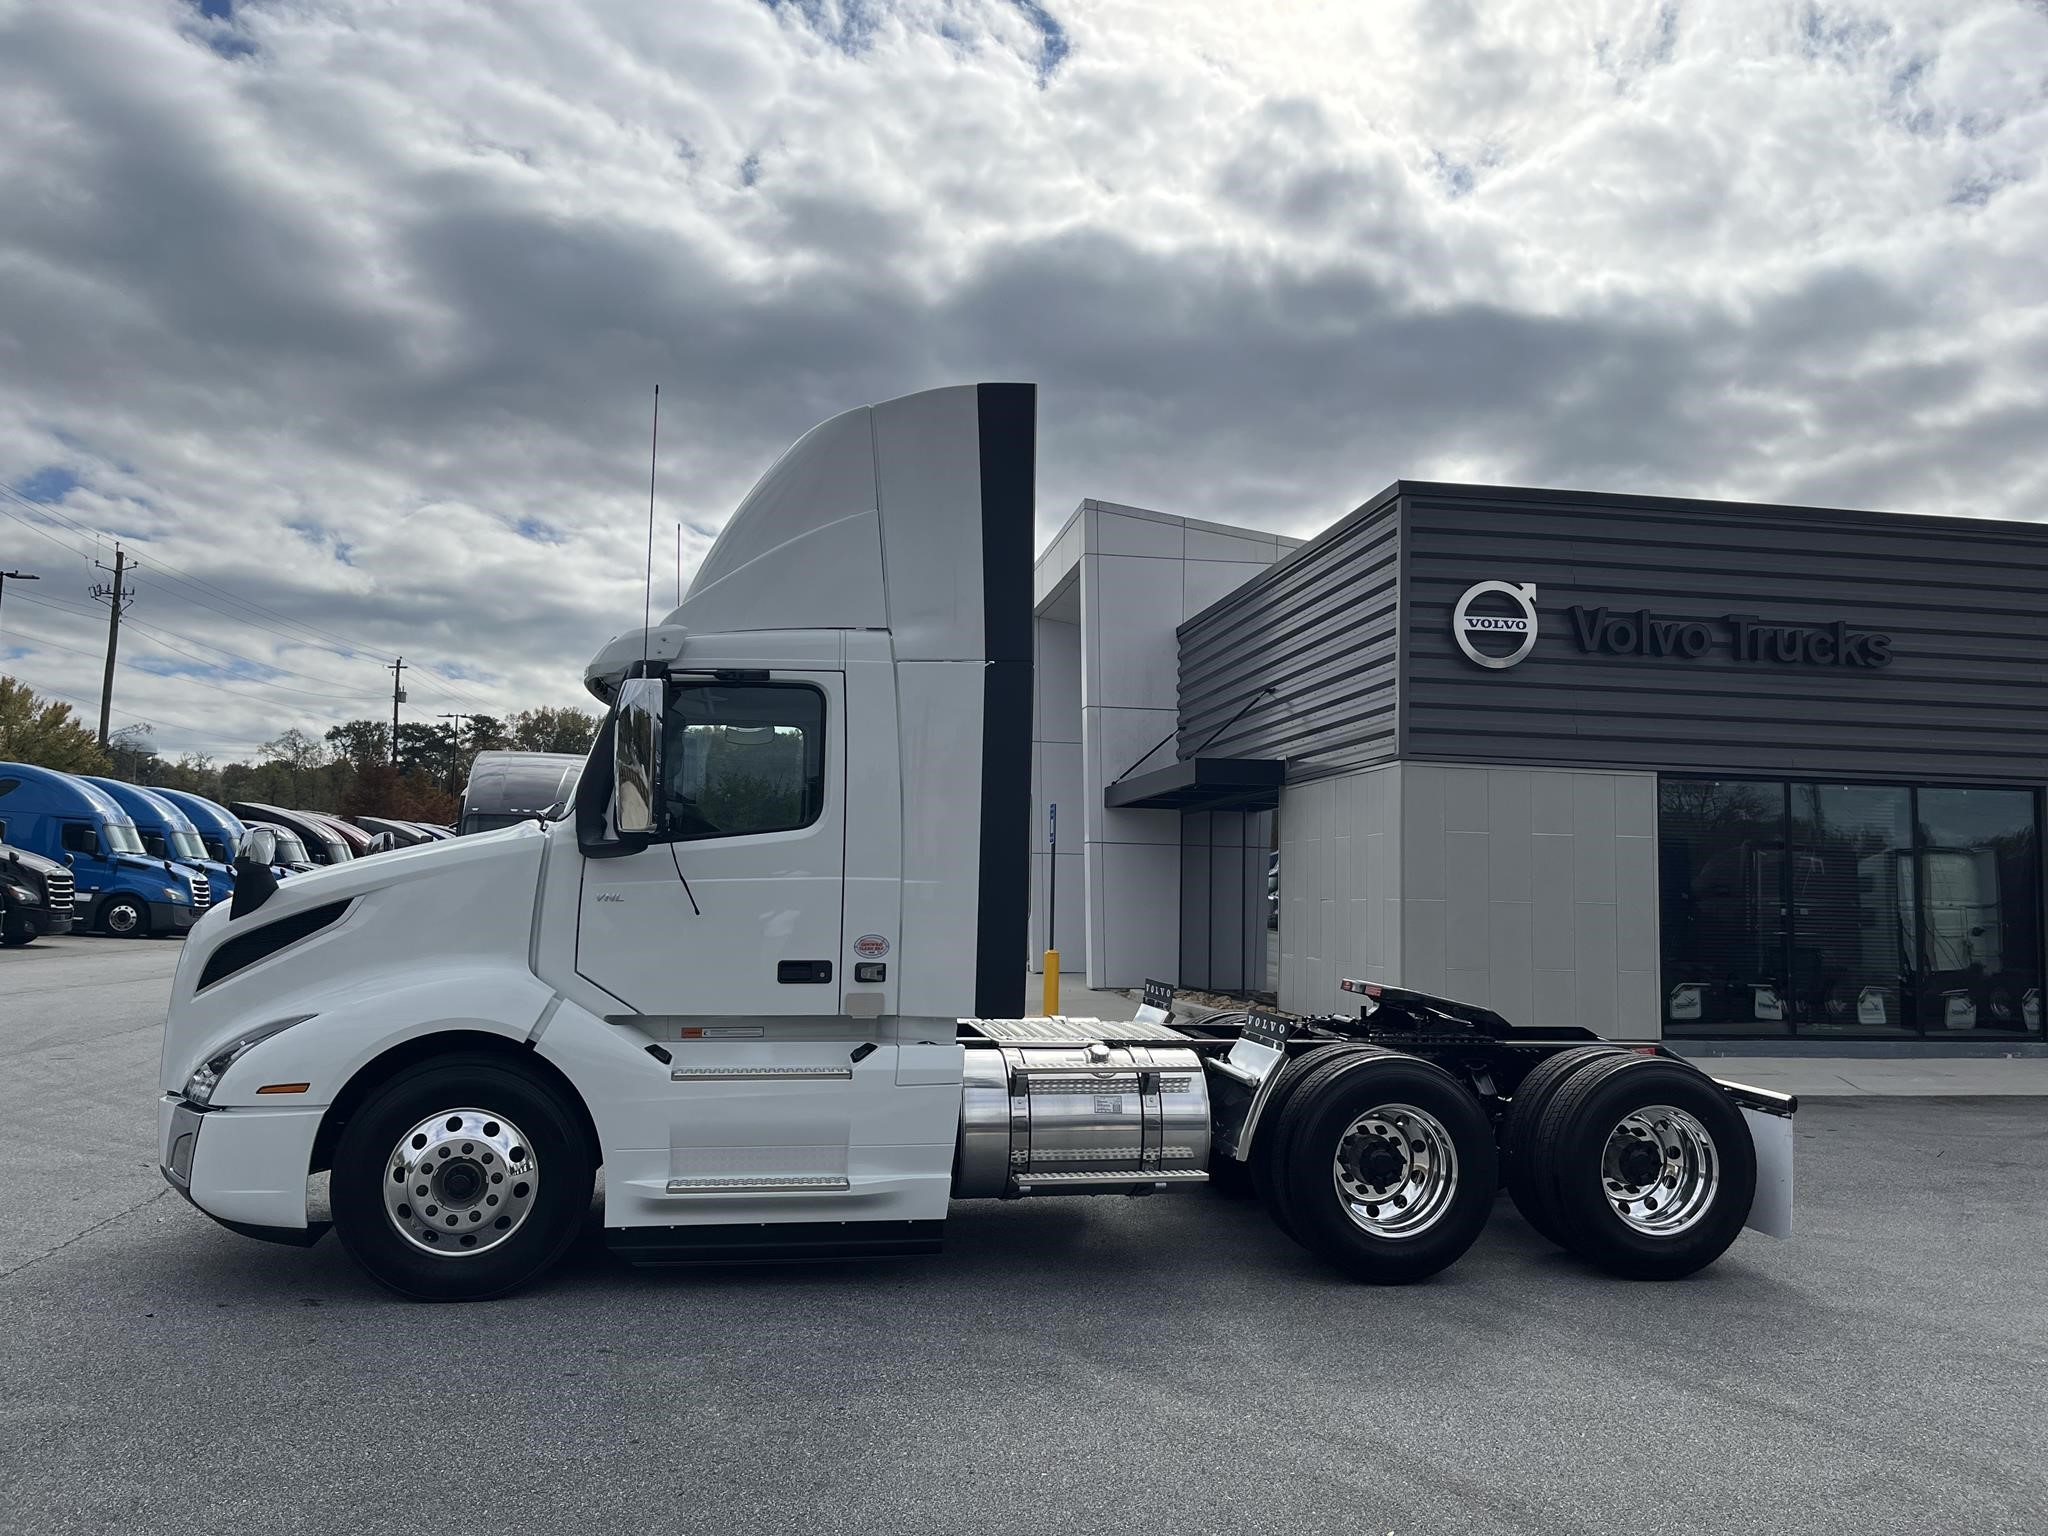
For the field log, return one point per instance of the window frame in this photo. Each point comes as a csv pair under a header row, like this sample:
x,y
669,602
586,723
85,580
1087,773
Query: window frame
x,y
670,703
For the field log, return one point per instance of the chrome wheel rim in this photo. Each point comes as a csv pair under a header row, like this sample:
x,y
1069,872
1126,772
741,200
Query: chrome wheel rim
x,y
122,918
460,1182
1396,1170
1660,1170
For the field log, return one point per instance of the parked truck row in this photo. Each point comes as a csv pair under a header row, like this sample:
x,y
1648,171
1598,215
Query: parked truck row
x,y
766,975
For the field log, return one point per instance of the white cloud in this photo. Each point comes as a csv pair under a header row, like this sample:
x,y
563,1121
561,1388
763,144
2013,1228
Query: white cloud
x,y
324,301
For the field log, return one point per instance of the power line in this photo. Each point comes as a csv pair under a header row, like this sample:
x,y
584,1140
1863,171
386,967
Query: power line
x,y
323,639
127,720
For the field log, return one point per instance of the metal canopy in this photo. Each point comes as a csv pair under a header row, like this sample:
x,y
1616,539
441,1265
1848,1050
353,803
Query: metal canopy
x,y
1202,784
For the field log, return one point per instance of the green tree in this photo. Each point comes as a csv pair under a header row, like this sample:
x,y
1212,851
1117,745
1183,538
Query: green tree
x,y
363,743
548,729
41,731
300,757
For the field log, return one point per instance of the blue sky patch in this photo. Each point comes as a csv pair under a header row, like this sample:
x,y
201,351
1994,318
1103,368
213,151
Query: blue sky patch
x,y
53,482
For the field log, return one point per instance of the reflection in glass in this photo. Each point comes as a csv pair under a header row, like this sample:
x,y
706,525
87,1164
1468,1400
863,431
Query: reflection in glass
x,y
1980,899
1852,908
1721,866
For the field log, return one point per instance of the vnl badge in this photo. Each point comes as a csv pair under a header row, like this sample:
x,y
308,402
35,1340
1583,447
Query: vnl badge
x,y
1495,623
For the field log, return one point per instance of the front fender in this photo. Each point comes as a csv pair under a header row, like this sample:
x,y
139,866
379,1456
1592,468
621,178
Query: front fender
x,y
327,1049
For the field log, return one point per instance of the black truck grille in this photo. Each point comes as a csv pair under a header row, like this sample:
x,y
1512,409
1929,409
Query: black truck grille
x,y
58,892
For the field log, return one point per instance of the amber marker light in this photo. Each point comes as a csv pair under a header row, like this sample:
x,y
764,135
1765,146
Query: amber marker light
x,y
284,1088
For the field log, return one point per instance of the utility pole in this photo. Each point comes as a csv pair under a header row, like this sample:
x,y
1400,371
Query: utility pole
x,y
679,565
397,670
455,746
117,597
7,576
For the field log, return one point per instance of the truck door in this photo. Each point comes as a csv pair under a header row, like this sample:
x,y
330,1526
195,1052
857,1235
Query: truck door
x,y
736,916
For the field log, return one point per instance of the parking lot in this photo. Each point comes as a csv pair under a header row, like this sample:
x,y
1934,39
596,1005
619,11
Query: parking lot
x,y
1170,1365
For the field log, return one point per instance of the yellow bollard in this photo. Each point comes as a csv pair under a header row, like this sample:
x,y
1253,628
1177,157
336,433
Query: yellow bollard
x,y
1052,982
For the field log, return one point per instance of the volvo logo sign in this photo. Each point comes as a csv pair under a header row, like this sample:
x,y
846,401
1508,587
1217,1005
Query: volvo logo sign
x,y
1495,622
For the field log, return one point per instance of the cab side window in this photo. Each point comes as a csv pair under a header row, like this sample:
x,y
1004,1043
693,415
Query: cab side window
x,y
743,758
153,844
77,837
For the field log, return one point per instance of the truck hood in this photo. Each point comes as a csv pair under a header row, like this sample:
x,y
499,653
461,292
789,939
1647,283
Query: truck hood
x,y
387,922
29,863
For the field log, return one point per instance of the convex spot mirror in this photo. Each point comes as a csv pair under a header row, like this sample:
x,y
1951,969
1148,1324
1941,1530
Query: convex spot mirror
x,y
258,846
636,756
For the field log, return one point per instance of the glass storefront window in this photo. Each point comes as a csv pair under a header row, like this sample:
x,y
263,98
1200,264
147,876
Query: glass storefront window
x,y
1852,908
1721,866
1980,900
1849,909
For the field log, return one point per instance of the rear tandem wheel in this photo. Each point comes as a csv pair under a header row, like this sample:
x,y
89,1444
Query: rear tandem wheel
x,y
1386,1166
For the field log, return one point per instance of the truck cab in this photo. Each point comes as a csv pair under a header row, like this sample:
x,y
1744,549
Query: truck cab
x,y
168,833
35,897
506,788
119,888
318,841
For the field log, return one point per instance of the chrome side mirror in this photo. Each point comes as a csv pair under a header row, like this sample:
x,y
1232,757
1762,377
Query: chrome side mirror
x,y
258,846
636,757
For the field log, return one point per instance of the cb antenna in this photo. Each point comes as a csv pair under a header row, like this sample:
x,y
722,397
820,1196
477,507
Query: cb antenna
x,y
647,598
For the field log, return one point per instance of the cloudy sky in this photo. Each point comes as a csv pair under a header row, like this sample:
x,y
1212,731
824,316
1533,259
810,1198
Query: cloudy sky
x,y
343,314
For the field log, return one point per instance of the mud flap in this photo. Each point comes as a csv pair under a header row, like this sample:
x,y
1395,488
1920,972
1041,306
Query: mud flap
x,y
1771,1212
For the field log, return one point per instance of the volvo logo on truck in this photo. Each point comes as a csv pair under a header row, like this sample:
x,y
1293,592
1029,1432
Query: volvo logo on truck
x,y
1495,623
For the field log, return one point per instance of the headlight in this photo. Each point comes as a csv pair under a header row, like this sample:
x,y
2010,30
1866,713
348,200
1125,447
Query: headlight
x,y
207,1075
24,895
172,893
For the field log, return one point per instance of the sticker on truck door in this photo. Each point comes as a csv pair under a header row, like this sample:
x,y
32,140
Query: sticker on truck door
x,y
871,946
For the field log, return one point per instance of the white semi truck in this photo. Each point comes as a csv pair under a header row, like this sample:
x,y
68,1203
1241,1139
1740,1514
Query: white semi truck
x,y
768,974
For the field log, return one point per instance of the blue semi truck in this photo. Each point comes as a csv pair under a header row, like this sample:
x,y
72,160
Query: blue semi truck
x,y
119,888
168,833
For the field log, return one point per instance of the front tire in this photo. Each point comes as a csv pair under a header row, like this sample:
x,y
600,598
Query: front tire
x,y
15,932
1649,1166
504,1164
1389,1166
125,918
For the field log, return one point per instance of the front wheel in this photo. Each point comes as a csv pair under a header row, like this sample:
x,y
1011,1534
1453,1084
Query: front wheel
x,y
1389,1167
125,918
460,1179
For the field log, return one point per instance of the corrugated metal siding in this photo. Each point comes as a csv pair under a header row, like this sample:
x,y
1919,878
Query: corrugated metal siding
x,y
1965,601
1321,627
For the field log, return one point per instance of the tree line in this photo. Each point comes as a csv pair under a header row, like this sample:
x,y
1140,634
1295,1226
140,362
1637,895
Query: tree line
x,y
348,770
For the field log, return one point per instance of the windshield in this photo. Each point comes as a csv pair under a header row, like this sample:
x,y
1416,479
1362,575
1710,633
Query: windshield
x,y
291,851
187,845
121,838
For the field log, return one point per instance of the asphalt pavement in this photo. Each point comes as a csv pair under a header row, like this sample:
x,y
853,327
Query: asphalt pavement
x,y
1164,1365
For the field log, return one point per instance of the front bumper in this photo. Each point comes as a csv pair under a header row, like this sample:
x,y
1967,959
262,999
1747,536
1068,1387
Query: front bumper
x,y
42,922
173,916
246,1168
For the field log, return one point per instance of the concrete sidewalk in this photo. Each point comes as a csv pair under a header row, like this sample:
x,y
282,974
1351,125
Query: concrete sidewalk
x,y
1888,1076
1807,1076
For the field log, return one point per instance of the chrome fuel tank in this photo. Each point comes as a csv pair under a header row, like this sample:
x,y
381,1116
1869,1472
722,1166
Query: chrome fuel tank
x,y
1081,1119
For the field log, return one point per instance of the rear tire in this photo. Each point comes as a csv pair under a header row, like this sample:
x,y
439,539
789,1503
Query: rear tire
x,y
1270,1138
1649,1167
1390,1169
1518,1132
125,918
502,1147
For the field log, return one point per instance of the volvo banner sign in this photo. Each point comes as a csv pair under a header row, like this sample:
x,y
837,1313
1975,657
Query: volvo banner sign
x,y
1494,625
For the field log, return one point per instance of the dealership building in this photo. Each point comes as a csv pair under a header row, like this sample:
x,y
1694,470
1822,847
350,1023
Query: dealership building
x,y
1661,768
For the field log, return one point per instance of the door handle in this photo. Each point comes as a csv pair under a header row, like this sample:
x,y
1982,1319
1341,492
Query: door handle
x,y
803,972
